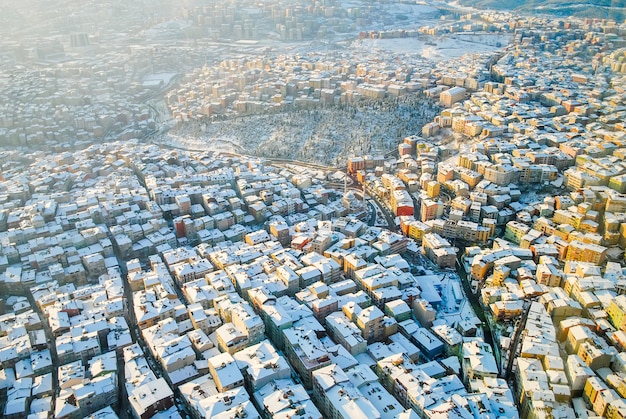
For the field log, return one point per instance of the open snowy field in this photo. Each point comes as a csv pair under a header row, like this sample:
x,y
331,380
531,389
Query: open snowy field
x,y
435,48
411,10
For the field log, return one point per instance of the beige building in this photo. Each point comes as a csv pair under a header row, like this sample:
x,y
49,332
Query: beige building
x,y
452,96
372,325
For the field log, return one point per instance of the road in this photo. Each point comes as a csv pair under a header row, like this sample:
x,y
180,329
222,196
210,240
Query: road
x,y
517,337
478,309
374,204
51,344
391,222
371,218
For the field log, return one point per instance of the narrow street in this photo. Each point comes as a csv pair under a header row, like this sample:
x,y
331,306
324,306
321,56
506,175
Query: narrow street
x,y
478,309
138,338
50,340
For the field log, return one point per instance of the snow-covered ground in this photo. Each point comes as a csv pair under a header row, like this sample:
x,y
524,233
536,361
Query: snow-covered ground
x,y
325,136
444,48
158,80
226,144
399,8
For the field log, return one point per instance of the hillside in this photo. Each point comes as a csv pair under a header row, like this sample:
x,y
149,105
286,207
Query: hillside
x,y
602,9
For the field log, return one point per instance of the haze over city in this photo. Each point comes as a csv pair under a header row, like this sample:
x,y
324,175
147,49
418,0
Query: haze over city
x,y
312,209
